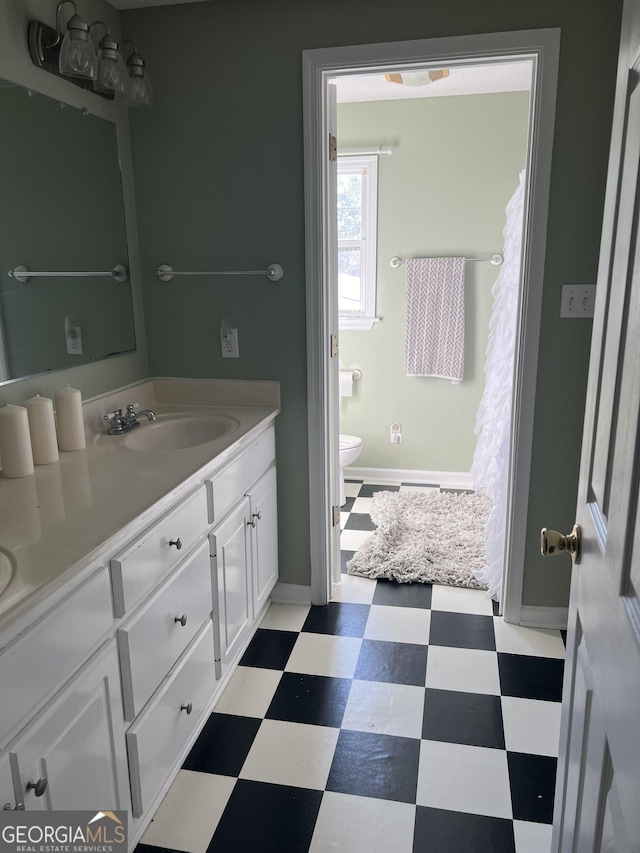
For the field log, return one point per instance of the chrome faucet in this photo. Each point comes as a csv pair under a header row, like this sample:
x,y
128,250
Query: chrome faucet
x,y
119,423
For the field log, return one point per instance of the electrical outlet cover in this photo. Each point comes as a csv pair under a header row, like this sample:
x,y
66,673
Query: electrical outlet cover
x,y
74,341
229,343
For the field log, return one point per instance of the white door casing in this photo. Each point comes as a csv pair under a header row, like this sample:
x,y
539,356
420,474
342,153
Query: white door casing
x,y
331,284
598,781
319,66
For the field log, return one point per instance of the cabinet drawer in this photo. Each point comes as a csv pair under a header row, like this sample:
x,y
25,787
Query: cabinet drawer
x,y
138,568
39,661
157,739
154,639
234,480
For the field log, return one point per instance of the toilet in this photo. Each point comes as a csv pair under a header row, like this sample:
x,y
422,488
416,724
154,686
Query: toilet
x,y
350,447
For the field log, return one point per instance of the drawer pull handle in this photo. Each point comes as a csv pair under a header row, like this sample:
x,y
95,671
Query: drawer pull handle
x,y
7,807
188,707
177,542
38,787
255,518
181,619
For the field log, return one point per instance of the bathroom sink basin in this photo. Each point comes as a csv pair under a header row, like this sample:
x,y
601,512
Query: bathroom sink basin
x,y
178,432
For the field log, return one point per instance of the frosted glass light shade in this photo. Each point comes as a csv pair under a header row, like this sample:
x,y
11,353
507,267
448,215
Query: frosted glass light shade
x,y
77,53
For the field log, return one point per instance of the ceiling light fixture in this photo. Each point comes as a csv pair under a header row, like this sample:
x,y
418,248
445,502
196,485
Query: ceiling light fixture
x,y
417,78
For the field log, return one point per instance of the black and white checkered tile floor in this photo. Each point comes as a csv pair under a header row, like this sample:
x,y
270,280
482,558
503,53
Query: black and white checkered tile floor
x,y
400,717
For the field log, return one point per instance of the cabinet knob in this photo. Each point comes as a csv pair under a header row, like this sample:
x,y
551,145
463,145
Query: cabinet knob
x,y
181,619
257,515
177,542
188,707
38,787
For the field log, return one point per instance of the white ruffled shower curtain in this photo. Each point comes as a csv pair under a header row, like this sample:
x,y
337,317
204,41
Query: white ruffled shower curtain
x,y
490,466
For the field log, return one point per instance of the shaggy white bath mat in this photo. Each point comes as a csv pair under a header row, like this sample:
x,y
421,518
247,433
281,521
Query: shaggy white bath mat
x,y
427,537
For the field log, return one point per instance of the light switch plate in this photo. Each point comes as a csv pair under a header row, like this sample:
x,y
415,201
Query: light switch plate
x,y
578,300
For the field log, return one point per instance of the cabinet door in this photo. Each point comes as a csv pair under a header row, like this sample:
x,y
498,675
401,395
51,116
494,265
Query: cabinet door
x,y
75,749
7,794
264,538
232,561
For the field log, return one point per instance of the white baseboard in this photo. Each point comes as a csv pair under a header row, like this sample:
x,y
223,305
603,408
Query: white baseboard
x,y
448,479
291,593
532,616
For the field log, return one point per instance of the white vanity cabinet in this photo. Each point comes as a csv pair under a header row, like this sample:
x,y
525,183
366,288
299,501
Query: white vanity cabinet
x,y
109,687
72,755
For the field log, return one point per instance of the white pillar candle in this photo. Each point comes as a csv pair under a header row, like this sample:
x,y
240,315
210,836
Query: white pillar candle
x,y
15,442
42,427
70,419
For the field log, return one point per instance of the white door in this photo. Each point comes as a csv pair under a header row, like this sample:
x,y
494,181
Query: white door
x,y
598,784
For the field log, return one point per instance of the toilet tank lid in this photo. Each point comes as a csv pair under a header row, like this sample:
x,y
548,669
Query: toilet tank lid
x,y
349,441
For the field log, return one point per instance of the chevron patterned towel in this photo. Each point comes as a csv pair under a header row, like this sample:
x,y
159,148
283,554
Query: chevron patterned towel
x,y
434,344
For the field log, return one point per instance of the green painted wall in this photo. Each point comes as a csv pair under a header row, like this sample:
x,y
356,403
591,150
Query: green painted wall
x,y
219,184
15,65
443,192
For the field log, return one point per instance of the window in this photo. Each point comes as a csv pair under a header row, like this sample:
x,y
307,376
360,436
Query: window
x,y
357,241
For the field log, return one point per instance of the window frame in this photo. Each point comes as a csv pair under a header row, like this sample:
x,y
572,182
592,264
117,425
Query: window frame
x,y
364,319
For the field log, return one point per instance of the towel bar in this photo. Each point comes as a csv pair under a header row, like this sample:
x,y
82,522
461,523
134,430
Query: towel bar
x,y
496,260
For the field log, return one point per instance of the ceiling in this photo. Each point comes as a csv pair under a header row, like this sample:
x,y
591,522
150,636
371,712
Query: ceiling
x,y
467,80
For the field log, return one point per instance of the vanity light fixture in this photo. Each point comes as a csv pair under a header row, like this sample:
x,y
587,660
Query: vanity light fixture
x,y
71,54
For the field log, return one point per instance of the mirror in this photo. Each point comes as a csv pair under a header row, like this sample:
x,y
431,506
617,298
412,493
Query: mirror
x,y
61,210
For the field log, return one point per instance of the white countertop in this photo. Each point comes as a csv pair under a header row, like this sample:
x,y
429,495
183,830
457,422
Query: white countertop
x,y
54,523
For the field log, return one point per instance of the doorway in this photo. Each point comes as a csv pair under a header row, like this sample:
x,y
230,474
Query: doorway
x,y
320,66
427,165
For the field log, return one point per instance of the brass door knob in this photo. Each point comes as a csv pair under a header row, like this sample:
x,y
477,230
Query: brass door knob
x,y
552,543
